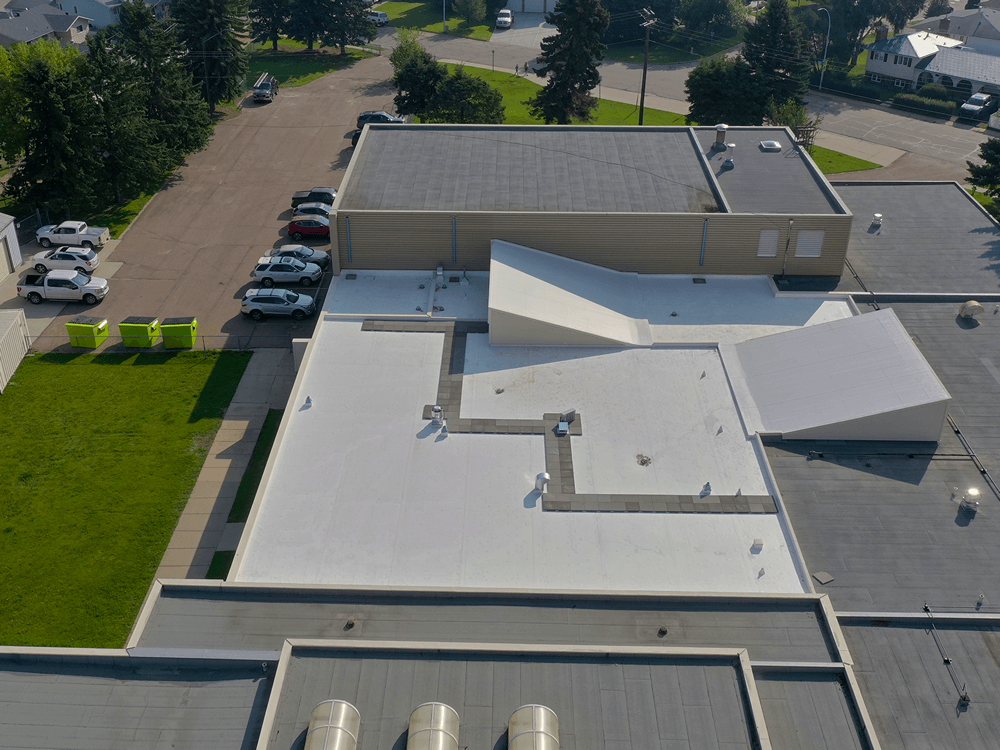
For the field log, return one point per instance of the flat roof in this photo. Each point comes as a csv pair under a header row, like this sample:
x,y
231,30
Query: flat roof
x,y
594,169
85,703
200,615
934,238
626,702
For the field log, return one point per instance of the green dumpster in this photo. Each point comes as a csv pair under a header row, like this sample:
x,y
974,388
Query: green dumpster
x,y
139,331
179,333
87,331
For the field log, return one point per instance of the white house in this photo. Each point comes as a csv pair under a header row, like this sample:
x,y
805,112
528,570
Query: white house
x,y
979,29
900,60
10,250
106,12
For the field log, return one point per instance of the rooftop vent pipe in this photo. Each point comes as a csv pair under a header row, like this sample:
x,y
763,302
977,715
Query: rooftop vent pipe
x,y
720,137
970,309
433,726
876,220
333,725
533,727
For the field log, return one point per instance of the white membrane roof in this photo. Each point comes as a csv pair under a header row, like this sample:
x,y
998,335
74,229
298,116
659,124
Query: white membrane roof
x,y
861,378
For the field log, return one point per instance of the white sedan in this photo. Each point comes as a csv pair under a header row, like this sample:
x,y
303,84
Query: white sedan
x,y
66,258
505,19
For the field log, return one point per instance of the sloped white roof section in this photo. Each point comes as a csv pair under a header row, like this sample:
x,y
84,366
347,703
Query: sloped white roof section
x,y
538,298
860,378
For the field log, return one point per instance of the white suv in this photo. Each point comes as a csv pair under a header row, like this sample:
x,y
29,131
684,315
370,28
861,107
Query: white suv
x,y
271,271
66,258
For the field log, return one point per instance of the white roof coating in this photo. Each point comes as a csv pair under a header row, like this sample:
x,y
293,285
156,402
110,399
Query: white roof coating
x,y
363,491
863,374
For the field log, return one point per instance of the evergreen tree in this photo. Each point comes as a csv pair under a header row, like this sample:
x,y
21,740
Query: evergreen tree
x,y
773,47
987,174
268,19
408,50
853,20
211,30
330,22
462,98
179,115
132,158
61,165
713,16
722,90
570,59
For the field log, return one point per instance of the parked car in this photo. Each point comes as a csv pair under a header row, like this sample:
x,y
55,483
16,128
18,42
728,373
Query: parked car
x,y
310,225
80,259
505,19
355,135
316,209
380,117
381,18
271,271
259,303
266,88
72,233
303,253
978,107
62,286
317,195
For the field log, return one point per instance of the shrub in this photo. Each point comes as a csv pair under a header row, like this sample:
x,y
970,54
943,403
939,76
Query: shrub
x,y
934,91
924,105
838,80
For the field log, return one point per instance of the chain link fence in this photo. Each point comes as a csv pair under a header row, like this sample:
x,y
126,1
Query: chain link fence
x,y
57,343
26,226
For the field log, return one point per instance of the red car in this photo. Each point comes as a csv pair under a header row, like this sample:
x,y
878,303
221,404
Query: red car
x,y
309,226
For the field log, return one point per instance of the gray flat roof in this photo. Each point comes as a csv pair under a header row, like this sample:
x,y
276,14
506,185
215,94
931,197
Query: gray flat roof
x,y
57,703
768,182
808,710
933,238
235,617
576,169
912,695
602,702
526,168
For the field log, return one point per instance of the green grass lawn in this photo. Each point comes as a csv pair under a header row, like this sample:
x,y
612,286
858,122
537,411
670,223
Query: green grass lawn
x,y
296,67
118,219
986,202
427,17
103,451
680,47
517,90
834,162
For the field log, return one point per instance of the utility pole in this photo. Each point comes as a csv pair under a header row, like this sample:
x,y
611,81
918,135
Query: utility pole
x,y
649,20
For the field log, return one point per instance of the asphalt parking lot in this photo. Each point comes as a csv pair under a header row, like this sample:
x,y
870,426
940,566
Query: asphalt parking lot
x,y
190,252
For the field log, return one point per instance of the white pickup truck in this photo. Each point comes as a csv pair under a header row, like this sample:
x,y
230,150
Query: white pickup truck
x,y
72,233
63,286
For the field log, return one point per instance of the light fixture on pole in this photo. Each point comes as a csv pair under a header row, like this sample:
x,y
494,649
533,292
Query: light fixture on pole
x,y
822,70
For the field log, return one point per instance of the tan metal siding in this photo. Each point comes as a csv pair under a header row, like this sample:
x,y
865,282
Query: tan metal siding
x,y
642,243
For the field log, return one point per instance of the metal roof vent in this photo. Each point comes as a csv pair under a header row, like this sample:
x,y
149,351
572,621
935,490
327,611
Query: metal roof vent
x,y
970,503
433,726
333,725
770,145
970,309
876,220
720,137
533,727
730,162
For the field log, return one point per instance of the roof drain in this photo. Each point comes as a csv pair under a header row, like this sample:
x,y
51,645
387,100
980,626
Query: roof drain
x,y
433,726
333,725
533,727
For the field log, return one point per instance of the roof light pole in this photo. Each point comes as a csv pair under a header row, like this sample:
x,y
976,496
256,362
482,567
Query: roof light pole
x,y
822,70
647,24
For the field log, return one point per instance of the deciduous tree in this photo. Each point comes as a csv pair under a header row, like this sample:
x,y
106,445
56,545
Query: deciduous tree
x,y
473,11
725,91
268,19
987,175
330,22
853,20
713,16
408,50
462,98
569,60
418,84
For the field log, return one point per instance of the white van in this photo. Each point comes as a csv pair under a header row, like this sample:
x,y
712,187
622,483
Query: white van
x,y
379,17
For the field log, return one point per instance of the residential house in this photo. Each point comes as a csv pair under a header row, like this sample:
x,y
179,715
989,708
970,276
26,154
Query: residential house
x,y
900,60
42,21
979,29
106,12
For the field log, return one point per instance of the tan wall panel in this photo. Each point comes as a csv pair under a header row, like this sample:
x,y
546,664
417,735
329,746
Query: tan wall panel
x,y
643,243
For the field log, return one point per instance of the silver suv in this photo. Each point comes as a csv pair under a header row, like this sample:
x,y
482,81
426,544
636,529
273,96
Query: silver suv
x,y
259,303
271,271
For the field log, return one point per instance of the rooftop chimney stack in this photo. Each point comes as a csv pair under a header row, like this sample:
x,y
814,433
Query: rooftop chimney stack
x,y
881,33
720,137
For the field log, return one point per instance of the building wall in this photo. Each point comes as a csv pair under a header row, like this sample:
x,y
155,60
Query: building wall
x,y
99,13
641,243
891,71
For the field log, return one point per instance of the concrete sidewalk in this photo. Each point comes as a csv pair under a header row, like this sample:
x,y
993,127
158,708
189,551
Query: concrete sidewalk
x,y
203,529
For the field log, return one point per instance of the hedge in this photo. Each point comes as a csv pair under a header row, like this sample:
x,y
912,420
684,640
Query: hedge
x,y
924,105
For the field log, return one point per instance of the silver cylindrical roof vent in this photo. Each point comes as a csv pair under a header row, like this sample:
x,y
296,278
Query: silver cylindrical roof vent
x,y
533,727
333,725
433,726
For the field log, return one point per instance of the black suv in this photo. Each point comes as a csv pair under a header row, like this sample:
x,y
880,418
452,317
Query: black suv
x,y
378,117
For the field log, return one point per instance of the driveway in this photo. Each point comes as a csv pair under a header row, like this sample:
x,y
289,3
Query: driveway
x,y
191,250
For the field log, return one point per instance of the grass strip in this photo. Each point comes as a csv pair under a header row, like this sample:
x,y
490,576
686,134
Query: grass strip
x,y
112,445
117,220
427,17
255,469
297,68
834,162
